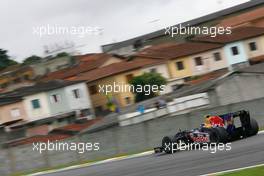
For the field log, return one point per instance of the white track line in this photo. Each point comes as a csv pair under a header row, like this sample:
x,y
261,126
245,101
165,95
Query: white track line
x,y
260,132
232,170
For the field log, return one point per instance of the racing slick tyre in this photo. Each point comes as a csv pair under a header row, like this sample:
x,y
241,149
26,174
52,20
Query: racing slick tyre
x,y
254,127
222,134
217,135
167,144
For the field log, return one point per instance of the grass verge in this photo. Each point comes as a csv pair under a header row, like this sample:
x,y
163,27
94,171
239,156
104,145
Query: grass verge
x,y
256,171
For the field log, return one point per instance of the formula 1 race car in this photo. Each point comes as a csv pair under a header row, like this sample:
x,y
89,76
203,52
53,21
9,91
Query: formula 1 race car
x,y
228,131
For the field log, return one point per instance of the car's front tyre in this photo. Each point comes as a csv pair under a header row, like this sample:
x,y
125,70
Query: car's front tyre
x,y
167,144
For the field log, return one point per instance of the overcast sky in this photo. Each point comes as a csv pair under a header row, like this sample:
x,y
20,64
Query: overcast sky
x,y
119,19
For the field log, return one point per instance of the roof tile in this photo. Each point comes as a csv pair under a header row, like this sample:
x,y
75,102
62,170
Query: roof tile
x,y
237,34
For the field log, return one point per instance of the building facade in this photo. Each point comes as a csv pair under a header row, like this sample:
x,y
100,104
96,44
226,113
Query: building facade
x,y
58,101
208,61
236,54
12,111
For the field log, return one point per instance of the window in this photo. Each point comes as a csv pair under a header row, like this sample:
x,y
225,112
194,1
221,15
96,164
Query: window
x,y
234,50
128,100
198,61
252,46
153,70
55,98
180,65
217,56
76,93
93,89
35,103
129,77
15,113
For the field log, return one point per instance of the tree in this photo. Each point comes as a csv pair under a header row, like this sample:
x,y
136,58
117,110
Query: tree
x,y
63,54
144,85
4,60
31,60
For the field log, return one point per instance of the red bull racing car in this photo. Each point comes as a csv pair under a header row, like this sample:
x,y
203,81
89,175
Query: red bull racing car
x,y
216,129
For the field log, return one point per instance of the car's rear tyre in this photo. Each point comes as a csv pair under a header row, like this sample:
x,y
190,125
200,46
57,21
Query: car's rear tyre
x,y
167,144
254,127
214,137
222,134
217,135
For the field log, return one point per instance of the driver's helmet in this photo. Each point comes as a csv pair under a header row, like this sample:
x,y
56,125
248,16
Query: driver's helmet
x,y
207,116
207,122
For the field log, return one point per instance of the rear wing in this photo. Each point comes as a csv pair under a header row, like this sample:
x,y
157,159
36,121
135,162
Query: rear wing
x,y
242,114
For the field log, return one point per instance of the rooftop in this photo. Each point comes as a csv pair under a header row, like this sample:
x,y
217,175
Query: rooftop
x,y
117,68
197,21
46,120
173,51
243,18
9,100
75,127
86,63
14,68
37,88
237,34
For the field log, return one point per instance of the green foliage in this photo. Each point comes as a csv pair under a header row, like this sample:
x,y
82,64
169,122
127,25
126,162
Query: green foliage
x,y
31,60
147,79
256,171
63,54
5,61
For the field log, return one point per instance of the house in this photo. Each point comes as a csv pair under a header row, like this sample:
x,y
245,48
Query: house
x,y
255,49
85,63
116,74
38,109
130,46
11,110
239,46
53,98
186,60
107,69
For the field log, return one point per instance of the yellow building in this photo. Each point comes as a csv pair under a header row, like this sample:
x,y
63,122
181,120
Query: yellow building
x,y
180,67
185,60
255,49
116,75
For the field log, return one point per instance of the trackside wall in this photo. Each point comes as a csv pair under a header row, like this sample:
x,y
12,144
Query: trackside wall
x,y
118,140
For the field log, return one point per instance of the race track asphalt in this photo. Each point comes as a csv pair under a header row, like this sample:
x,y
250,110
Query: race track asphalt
x,y
244,153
